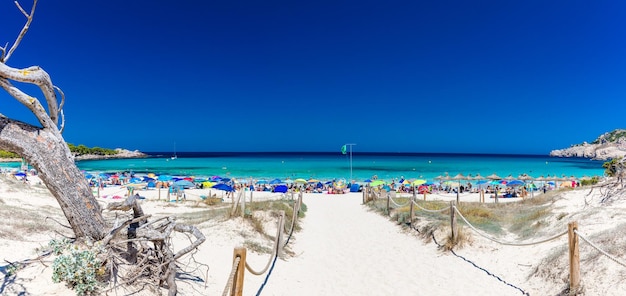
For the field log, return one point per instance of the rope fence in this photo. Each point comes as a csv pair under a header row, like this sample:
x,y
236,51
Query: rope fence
x,y
236,284
572,232
231,278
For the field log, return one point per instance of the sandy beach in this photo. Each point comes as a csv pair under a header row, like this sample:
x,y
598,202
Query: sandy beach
x,y
343,248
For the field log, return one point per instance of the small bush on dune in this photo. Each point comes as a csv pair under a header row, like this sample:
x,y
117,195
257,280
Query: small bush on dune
x,y
77,268
459,241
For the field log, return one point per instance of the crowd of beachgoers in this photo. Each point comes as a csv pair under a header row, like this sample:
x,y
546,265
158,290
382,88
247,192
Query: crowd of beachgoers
x,y
493,185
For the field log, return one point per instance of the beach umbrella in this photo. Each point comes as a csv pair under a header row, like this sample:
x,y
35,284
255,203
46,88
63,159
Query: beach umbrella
x,y
423,189
313,181
300,181
515,183
261,182
367,181
377,183
446,177
184,184
418,182
281,188
207,184
275,182
165,178
494,177
478,177
222,186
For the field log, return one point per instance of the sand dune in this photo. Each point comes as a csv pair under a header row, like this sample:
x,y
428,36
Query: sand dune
x,y
346,249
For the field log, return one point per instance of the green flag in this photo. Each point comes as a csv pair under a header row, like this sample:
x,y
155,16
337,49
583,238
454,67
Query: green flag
x,y
343,149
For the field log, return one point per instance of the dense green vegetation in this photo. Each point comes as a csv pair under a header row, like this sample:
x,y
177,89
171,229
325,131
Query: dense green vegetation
x,y
612,167
611,136
77,150
7,154
83,150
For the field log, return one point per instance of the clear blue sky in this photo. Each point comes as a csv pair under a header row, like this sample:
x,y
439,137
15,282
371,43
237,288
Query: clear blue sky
x,y
391,76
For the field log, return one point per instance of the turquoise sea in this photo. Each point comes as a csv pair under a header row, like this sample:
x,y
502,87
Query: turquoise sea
x,y
328,166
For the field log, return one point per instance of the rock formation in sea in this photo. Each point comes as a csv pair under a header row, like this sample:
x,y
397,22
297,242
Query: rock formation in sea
x,y
607,146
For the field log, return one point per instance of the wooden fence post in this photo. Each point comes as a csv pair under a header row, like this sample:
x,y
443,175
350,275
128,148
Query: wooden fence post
x,y
242,193
388,200
452,220
280,233
574,258
237,287
411,211
363,195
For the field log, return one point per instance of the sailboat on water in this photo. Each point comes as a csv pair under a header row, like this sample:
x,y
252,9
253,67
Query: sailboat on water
x,y
174,157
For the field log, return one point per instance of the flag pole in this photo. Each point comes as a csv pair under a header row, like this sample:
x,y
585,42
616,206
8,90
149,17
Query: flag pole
x,y
350,161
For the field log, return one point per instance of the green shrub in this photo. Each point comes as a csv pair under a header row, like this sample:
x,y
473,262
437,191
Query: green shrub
x,y
77,268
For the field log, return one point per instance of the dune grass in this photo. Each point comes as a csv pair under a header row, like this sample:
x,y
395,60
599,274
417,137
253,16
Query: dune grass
x,y
522,219
257,215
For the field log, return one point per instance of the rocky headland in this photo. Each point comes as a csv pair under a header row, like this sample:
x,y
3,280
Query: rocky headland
x,y
121,153
607,146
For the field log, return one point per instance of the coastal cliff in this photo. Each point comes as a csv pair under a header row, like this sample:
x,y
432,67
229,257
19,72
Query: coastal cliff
x,y
607,146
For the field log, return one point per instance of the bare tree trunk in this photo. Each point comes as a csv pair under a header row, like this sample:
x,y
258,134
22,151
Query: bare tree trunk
x,y
46,150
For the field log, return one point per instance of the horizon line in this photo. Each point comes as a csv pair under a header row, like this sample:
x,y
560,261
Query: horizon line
x,y
339,152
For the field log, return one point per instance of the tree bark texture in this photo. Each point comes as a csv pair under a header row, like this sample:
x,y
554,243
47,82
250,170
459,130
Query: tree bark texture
x,y
48,153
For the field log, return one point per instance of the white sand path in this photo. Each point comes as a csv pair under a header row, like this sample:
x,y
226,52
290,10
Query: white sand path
x,y
343,243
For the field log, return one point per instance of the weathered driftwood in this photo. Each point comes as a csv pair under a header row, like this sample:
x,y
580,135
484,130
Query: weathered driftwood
x,y
43,147
147,245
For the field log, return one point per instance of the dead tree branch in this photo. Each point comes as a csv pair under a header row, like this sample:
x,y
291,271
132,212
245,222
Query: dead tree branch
x,y
149,250
29,19
37,76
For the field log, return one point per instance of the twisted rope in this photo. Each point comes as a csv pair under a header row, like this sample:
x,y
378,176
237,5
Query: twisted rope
x,y
506,243
397,205
274,254
231,278
600,250
430,211
296,210
281,225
